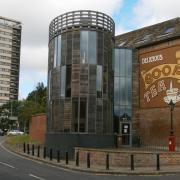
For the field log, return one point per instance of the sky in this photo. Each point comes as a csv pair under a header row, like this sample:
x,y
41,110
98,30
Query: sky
x,y
36,16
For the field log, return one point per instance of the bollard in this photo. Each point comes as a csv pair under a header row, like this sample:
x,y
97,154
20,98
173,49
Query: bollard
x,y
50,154
28,149
38,151
66,157
44,153
24,147
77,158
33,150
107,161
158,162
88,160
58,156
132,162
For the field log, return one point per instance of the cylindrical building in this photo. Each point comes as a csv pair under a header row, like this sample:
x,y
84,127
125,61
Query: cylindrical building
x,y
80,80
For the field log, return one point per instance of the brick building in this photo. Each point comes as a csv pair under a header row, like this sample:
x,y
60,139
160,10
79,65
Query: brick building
x,y
81,102
155,70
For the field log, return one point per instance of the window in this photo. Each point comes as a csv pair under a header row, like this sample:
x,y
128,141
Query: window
x,y
129,91
83,114
99,81
116,90
5,45
166,32
58,51
5,63
5,51
122,84
5,57
122,43
84,46
63,80
5,39
68,81
116,64
75,114
122,91
69,48
92,48
88,47
122,62
55,52
128,62
49,86
169,30
4,69
4,76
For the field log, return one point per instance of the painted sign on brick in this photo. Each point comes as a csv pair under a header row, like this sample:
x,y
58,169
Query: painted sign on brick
x,y
157,69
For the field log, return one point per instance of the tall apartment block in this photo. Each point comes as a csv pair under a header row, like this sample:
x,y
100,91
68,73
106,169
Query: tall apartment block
x,y
10,42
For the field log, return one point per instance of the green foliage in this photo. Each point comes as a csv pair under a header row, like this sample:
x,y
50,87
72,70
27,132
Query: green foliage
x,y
13,140
35,103
38,95
6,111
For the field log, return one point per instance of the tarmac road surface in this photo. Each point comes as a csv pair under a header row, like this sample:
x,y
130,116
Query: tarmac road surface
x,y
15,167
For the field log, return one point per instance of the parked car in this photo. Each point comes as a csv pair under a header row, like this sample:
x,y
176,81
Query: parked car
x,y
1,132
15,132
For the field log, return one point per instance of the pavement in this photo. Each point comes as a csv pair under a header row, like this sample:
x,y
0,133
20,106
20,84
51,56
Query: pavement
x,y
164,170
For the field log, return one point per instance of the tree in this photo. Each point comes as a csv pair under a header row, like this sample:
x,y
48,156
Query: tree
x,y
35,103
38,95
7,111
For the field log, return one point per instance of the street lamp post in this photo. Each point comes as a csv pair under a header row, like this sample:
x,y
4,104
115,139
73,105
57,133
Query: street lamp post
x,y
171,99
172,105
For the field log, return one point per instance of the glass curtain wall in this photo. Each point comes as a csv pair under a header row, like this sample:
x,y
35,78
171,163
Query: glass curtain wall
x,y
57,51
122,85
88,49
80,60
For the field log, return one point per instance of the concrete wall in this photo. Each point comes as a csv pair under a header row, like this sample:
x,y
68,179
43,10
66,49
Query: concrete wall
x,y
37,128
67,142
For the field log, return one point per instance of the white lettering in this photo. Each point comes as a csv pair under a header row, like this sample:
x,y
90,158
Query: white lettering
x,y
161,86
146,96
152,59
153,91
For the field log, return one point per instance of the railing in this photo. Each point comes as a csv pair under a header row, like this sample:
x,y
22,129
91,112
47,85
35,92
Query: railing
x,y
84,18
87,158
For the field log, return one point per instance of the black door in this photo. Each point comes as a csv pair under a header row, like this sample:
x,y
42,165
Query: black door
x,y
125,134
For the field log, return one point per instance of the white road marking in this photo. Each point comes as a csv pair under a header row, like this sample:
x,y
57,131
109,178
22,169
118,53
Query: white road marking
x,y
32,175
8,165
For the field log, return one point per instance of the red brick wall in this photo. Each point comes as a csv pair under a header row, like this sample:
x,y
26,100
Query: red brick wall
x,y
122,158
153,124
37,128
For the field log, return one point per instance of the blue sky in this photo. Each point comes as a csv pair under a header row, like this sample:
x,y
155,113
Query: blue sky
x,y
36,15
124,14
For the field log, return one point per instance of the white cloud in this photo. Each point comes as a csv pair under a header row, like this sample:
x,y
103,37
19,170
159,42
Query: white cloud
x,y
35,16
148,12
34,58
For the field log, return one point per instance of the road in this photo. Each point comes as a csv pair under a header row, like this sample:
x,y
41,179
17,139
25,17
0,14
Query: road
x,y
13,167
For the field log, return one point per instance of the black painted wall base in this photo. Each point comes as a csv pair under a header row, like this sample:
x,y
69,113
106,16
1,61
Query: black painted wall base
x,y
67,142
